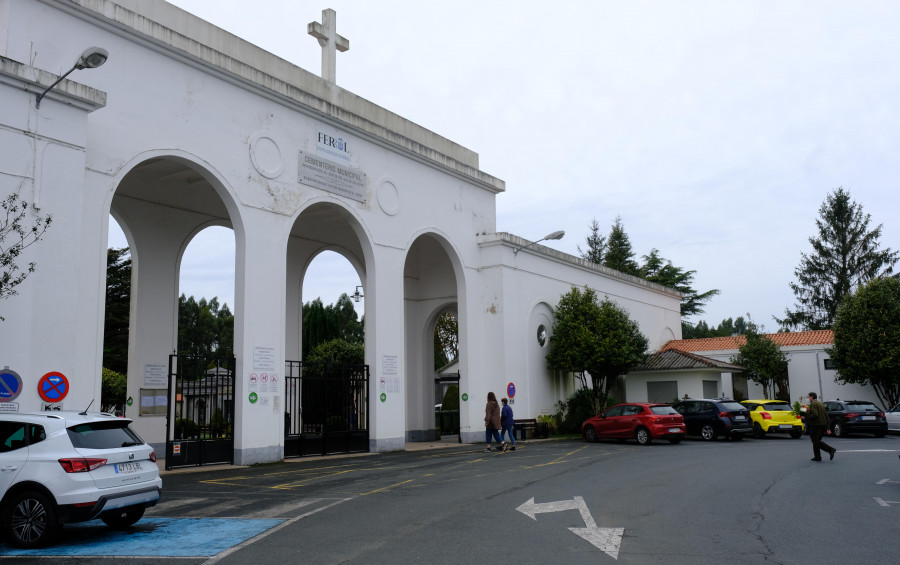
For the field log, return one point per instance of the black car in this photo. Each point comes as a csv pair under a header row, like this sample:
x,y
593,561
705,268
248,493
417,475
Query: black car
x,y
855,416
711,418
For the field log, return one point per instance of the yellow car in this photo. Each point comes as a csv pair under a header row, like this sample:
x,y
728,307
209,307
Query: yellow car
x,y
773,416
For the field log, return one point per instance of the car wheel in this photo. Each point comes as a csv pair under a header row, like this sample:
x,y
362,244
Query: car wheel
x,y
642,435
30,520
758,432
589,434
838,430
708,432
123,517
675,440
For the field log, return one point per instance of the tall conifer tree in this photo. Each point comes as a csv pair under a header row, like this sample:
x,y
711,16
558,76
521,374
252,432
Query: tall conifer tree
x,y
619,255
845,255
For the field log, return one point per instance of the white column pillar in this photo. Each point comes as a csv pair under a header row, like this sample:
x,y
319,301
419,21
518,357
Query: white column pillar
x,y
259,330
386,351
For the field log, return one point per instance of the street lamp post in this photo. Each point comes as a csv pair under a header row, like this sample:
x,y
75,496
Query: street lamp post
x,y
555,235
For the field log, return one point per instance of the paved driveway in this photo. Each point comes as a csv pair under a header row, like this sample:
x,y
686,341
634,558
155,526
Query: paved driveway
x,y
754,501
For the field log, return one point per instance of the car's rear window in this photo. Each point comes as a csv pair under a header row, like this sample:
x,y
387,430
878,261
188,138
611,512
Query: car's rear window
x,y
732,406
663,410
864,406
776,406
103,435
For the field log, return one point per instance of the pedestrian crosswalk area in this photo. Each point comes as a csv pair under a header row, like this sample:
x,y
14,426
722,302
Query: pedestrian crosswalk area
x,y
244,507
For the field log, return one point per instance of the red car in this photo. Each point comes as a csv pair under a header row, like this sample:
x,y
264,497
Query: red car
x,y
642,421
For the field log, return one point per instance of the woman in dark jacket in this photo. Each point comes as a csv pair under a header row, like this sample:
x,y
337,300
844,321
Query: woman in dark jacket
x,y
492,422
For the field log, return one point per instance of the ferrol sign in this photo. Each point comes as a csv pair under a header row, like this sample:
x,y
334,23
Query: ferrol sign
x,y
336,178
332,146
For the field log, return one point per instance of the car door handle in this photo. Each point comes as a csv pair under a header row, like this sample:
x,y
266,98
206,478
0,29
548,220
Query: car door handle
x,y
9,468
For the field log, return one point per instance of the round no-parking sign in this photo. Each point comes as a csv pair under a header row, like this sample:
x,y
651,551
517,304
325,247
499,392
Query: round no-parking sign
x,y
10,384
53,387
511,390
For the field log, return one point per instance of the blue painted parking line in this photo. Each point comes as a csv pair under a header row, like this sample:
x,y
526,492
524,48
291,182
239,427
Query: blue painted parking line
x,y
156,537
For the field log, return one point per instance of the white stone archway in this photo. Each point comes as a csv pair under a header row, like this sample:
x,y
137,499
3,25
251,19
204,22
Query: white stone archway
x,y
161,202
431,279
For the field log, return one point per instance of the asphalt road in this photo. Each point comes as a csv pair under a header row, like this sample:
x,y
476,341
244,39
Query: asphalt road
x,y
753,501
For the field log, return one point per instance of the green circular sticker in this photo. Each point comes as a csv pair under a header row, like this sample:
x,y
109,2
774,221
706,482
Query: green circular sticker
x,y
130,401
383,397
253,398
465,396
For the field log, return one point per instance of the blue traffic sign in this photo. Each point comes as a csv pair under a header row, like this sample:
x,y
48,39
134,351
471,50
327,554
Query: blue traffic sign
x,y
10,385
53,387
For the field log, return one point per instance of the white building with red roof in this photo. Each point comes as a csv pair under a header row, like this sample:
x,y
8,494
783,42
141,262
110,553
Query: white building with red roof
x,y
702,368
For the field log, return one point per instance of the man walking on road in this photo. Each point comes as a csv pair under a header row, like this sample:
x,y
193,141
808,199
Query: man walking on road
x,y
816,419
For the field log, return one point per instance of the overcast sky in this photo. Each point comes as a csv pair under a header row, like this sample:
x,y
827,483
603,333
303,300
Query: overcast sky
x,y
714,129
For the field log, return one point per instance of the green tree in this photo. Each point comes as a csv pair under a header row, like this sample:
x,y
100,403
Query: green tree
x,y
764,363
845,255
113,389
726,328
324,323
21,226
118,309
597,337
337,352
596,245
619,255
661,271
349,325
446,340
204,329
866,347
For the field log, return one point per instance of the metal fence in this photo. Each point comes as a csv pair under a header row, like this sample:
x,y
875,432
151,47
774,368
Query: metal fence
x,y
326,409
200,412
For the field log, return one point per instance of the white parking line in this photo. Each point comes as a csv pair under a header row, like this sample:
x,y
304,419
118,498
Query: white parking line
x,y
269,532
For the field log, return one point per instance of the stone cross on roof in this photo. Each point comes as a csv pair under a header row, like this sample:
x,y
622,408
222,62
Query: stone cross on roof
x,y
326,33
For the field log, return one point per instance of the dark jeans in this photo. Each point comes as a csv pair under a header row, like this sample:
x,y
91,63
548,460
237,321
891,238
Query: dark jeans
x,y
509,430
815,435
491,433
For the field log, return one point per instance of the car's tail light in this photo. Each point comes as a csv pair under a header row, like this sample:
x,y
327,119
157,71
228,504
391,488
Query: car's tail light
x,y
724,415
153,456
852,415
81,465
881,414
765,415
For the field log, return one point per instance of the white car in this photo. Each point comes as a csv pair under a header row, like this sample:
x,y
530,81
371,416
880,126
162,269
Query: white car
x,y
66,467
893,418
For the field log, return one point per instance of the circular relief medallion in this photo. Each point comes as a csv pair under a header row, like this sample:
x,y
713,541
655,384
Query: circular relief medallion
x,y
266,156
388,198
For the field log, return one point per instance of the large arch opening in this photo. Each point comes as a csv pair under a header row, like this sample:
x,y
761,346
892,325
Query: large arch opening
x,y
326,379
430,291
168,209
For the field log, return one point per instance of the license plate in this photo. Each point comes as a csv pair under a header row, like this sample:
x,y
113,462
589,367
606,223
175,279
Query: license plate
x,y
740,417
674,430
786,427
868,417
130,467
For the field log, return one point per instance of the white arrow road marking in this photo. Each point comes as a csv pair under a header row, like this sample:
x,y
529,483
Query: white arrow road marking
x,y
885,502
606,540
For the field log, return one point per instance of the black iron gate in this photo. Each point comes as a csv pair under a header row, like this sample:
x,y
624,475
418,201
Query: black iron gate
x,y
446,418
326,409
200,415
